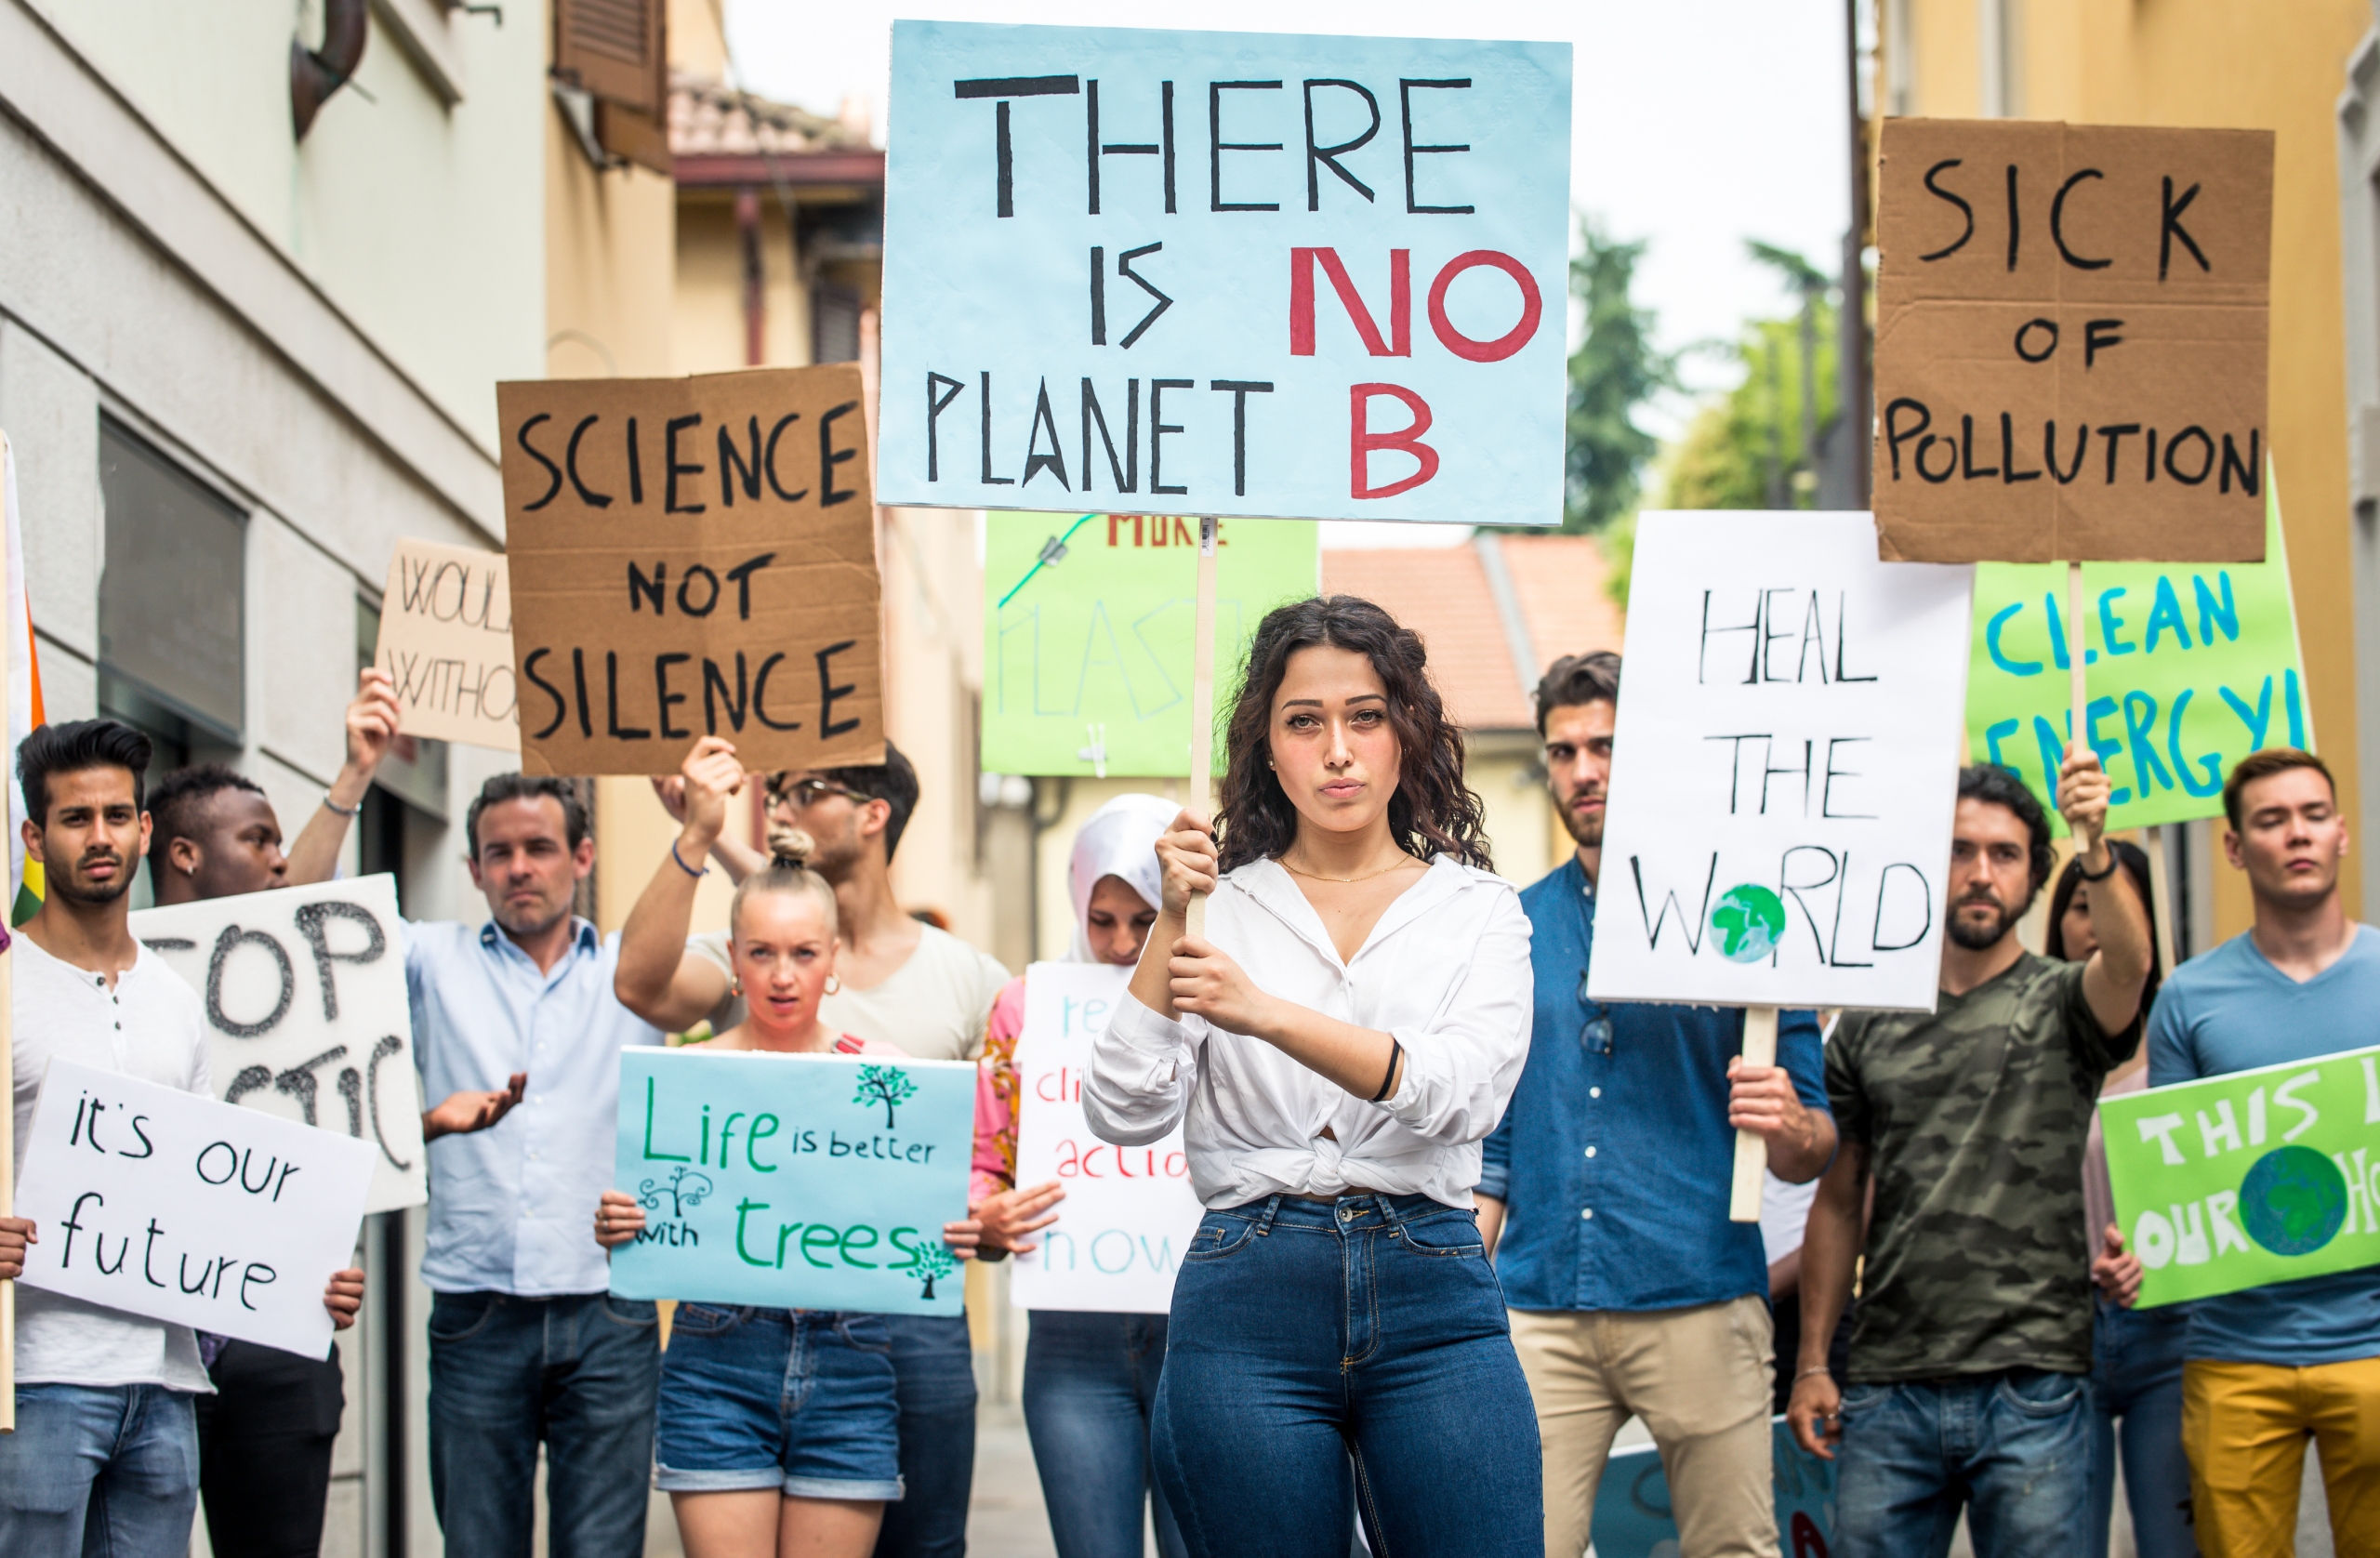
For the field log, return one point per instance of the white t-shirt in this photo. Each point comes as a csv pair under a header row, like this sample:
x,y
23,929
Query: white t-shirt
x,y
934,1005
149,1027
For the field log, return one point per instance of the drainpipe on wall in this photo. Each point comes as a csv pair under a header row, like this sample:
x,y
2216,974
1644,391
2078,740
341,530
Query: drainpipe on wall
x,y
316,75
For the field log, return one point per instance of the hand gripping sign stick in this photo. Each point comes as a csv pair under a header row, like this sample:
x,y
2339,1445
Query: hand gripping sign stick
x,y
1202,705
1751,1148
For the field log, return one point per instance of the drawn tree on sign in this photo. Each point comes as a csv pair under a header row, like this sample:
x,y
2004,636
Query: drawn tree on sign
x,y
934,1260
888,1085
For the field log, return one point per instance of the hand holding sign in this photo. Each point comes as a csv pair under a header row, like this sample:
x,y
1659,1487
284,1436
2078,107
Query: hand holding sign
x,y
218,1217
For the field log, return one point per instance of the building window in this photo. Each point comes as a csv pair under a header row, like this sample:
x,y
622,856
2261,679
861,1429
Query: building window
x,y
833,324
172,604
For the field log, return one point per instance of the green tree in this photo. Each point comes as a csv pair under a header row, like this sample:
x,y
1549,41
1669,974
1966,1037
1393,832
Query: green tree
x,y
934,1263
1755,446
1615,370
887,1085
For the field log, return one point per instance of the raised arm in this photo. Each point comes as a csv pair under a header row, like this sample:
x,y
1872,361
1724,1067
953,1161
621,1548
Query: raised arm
x,y
2119,970
371,730
657,978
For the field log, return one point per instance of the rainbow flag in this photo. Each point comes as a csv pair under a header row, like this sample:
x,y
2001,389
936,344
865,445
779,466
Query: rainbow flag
x,y
23,671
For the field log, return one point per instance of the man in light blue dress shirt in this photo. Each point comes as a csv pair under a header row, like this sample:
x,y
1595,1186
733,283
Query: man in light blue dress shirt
x,y
514,1021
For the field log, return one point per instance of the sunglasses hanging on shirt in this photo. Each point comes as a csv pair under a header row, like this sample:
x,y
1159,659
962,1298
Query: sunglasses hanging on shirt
x,y
1595,1035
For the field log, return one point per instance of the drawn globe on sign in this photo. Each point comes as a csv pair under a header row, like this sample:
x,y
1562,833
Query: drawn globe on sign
x,y
1747,922
2293,1201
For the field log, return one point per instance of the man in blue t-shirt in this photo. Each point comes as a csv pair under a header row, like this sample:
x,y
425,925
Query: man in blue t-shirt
x,y
1631,1292
2268,1367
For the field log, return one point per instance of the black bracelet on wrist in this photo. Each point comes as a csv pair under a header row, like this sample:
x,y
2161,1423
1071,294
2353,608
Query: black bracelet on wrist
x,y
1389,1081
2089,875
683,867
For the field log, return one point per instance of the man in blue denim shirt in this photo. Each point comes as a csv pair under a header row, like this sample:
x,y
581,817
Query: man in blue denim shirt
x,y
1631,1293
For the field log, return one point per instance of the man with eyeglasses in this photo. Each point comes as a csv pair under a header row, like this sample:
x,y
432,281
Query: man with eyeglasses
x,y
902,982
1631,1293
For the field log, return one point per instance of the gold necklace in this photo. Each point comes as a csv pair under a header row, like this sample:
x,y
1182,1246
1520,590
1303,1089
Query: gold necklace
x,y
1402,860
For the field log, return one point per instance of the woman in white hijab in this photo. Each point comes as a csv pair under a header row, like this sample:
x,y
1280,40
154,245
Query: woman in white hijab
x,y
1090,1380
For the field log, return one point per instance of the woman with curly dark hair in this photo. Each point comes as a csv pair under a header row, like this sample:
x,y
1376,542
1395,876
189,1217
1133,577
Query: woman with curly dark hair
x,y
1335,1048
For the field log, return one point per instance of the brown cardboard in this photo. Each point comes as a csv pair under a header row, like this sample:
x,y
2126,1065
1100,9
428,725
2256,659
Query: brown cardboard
x,y
640,617
446,641
2186,363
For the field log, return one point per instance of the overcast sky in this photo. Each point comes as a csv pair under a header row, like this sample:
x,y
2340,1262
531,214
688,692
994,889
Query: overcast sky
x,y
1694,123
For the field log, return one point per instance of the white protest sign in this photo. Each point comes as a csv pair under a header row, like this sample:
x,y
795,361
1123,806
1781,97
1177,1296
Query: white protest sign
x,y
446,641
1240,273
1784,767
306,1014
1129,1213
166,1205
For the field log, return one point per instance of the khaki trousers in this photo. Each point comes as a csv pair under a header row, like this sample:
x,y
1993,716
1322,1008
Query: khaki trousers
x,y
2244,1427
1700,1378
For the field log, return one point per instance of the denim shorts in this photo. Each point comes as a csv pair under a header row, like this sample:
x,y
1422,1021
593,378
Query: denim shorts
x,y
797,1400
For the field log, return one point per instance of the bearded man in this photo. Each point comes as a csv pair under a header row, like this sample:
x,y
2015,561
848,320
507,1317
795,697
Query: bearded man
x,y
1603,1194
1969,1375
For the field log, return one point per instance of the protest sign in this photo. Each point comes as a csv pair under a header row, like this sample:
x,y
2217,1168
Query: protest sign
x,y
2071,342
1786,766
799,1181
224,1219
2192,667
693,557
1087,641
446,641
1634,1515
306,1014
1186,266
1129,1213
2250,1178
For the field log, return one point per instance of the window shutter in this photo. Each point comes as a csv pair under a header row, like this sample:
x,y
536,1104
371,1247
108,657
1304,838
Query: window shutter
x,y
633,137
615,50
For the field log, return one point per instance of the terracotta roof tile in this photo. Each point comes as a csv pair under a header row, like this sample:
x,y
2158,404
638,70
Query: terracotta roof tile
x,y
1443,595
708,119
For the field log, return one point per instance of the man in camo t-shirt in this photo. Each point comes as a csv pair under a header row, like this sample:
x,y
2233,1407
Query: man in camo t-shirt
x,y
1971,1345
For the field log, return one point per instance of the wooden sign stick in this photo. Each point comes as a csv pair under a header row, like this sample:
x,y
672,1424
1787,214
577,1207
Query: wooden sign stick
x,y
1751,1149
2076,653
1202,705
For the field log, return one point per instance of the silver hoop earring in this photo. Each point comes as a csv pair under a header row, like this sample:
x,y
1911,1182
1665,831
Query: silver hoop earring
x,y
834,984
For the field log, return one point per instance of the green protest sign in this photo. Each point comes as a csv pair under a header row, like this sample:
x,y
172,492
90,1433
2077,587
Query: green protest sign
x,y
2258,1176
2192,667
1087,633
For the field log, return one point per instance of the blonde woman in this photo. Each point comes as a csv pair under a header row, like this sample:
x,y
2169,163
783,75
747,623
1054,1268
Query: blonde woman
x,y
778,1429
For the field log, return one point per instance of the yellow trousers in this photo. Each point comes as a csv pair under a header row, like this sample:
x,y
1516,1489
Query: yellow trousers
x,y
2245,1426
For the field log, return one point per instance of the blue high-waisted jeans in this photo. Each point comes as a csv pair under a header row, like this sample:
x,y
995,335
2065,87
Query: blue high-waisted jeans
x,y
1091,1383
2014,1448
2136,1365
1329,1356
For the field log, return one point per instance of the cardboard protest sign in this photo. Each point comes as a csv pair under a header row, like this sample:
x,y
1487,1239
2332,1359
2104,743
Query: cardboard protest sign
x,y
693,557
224,1219
1785,767
1185,268
2070,336
1084,654
307,1015
1129,1213
801,1181
446,641
1634,1514
2255,1177
2192,667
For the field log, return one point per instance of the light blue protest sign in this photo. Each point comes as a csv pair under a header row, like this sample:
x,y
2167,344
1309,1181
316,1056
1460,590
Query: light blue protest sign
x,y
797,1181
1241,274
